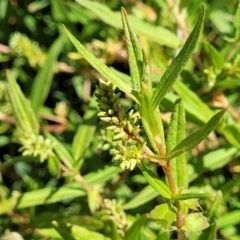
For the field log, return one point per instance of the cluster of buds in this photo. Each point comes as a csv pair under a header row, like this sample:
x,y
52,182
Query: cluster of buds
x,y
22,46
35,145
114,212
123,122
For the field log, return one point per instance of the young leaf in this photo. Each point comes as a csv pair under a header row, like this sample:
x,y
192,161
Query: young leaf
x,y
24,115
100,67
165,214
155,182
195,222
194,139
177,65
175,135
134,51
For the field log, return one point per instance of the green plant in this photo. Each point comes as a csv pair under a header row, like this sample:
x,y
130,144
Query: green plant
x,y
130,149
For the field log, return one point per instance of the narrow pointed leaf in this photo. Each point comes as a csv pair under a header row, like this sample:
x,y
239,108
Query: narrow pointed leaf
x,y
194,105
150,31
216,60
85,133
135,230
24,115
144,196
100,67
211,161
194,139
61,151
177,65
185,196
75,232
155,182
152,123
43,81
134,51
40,197
175,135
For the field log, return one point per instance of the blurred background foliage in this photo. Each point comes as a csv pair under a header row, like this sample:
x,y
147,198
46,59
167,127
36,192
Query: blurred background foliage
x,y
60,86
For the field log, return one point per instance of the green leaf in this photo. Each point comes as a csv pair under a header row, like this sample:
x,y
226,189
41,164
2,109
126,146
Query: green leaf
x,y
39,197
195,222
54,166
94,200
177,65
11,161
152,32
229,219
85,133
61,151
194,139
228,187
74,232
59,10
165,214
211,161
49,233
192,204
135,230
232,134
134,51
102,175
227,83
100,67
144,196
24,115
3,8
176,134
194,105
190,195
151,121
155,182
213,55
43,80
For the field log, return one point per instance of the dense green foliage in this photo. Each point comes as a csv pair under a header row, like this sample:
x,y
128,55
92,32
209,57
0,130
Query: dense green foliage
x,y
177,177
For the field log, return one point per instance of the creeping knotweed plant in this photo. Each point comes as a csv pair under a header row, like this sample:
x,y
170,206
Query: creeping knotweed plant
x,y
180,210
